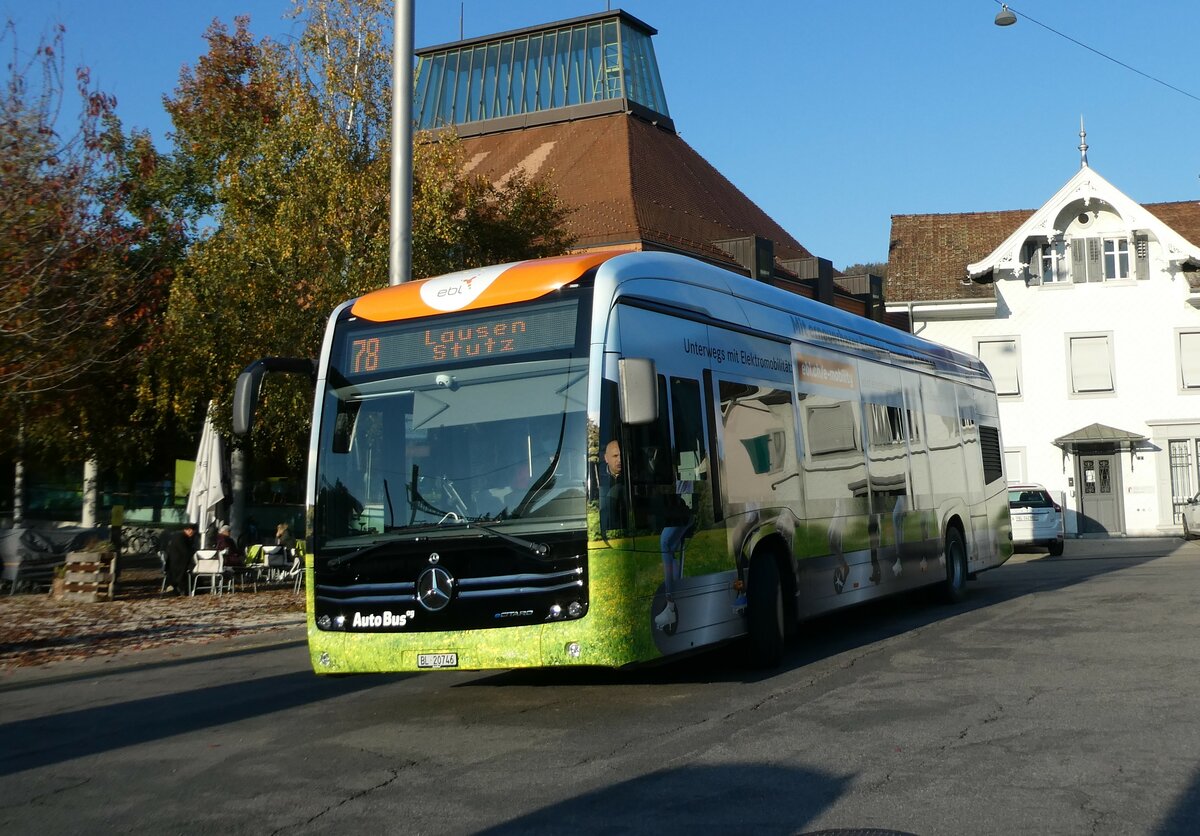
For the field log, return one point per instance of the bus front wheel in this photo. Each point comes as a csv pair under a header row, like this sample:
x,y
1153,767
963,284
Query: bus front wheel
x,y
954,588
765,613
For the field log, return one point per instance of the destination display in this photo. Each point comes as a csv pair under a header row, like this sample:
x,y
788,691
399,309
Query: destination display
x,y
477,336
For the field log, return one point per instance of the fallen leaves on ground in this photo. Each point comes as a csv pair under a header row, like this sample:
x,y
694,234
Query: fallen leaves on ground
x,y
36,629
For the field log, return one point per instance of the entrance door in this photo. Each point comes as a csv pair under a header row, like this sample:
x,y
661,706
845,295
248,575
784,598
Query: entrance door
x,y
1099,478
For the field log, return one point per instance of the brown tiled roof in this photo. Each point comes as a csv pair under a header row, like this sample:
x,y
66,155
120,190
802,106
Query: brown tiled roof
x,y
1182,216
630,183
928,254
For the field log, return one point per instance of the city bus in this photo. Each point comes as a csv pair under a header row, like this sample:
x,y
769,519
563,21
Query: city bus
x,y
611,458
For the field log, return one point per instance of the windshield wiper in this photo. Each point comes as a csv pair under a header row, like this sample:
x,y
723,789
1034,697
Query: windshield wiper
x,y
540,549
547,478
335,562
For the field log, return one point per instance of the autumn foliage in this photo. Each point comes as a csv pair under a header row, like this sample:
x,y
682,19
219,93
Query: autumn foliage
x,y
137,283
85,259
287,153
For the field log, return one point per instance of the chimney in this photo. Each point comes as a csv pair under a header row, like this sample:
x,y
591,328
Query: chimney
x,y
755,253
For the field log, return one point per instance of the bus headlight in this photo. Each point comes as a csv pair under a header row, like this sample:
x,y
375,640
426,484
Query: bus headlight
x,y
575,609
573,650
555,612
324,622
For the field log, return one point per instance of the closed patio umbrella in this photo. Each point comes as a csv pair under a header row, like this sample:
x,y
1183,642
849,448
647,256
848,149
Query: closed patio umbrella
x,y
207,489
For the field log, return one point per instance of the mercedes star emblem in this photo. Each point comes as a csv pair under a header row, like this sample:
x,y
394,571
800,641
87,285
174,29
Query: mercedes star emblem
x,y
434,588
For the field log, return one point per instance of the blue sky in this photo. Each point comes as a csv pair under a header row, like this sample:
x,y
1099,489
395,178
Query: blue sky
x,y
832,115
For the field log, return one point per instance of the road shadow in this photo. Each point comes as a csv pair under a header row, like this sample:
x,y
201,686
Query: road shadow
x,y
744,798
66,736
122,665
859,626
1182,819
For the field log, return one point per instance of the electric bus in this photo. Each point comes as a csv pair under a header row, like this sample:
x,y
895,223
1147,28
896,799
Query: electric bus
x,y
611,458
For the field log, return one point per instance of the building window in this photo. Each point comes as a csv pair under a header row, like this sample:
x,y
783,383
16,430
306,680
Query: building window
x,y
1188,348
1054,262
1116,258
1181,476
531,71
1003,360
1090,362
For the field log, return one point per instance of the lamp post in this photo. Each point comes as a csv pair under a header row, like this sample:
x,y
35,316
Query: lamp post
x,y
1006,16
400,223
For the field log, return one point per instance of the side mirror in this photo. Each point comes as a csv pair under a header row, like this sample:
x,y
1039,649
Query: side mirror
x,y
245,398
249,383
638,388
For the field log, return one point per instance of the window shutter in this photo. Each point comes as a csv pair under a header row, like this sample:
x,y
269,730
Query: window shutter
x,y
1004,364
1090,365
1095,260
1079,260
1189,360
1142,256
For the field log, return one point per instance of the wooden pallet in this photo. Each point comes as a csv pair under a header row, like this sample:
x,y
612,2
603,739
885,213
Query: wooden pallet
x,y
90,577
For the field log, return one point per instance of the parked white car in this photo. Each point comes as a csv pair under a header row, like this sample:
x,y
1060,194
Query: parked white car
x,y
1191,517
1037,520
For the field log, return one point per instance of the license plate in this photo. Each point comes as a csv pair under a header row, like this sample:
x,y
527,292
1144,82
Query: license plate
x,y
437,660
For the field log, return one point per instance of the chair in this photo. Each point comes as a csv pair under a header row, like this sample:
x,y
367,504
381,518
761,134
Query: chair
x,y
208,566
256,564
295,574
276,561
301,558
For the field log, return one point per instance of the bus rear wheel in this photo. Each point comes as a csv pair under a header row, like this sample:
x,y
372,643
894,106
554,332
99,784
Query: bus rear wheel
x,y
765,613
954,588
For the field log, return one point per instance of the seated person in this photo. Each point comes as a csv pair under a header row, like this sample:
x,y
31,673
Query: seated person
x,y
228,548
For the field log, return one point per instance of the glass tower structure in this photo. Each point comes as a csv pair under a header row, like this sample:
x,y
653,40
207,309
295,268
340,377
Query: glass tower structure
x,y
597,63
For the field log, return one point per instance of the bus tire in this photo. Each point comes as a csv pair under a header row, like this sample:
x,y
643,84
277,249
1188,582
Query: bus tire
x,y
954,587
765,613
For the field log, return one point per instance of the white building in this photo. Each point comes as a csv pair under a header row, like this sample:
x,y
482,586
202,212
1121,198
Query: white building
x,y
1085,311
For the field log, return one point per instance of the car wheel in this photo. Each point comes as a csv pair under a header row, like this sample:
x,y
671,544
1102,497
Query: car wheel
x,y
1055,548
954,587
765,613
1187,532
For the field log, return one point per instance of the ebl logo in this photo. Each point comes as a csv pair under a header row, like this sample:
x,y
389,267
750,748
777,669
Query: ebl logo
x,y
458,290
464,288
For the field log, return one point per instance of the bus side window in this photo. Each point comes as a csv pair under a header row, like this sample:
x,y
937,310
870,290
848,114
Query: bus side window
x,y
760,449
691,455
648,461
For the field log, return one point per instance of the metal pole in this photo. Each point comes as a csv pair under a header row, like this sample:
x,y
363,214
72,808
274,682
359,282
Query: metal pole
x,y
400,249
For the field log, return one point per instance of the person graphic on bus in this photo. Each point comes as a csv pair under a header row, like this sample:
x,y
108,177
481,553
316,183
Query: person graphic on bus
x,y
614,497
677,524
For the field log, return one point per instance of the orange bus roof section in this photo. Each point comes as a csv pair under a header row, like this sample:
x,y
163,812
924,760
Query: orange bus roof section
x,y
468,290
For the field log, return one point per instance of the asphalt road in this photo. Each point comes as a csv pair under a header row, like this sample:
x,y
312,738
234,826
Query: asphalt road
x,y
1062,697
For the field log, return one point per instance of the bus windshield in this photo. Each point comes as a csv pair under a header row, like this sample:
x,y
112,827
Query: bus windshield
x,y
488,444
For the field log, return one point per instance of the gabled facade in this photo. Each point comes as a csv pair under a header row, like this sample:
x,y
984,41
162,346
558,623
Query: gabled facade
x,y
1085,310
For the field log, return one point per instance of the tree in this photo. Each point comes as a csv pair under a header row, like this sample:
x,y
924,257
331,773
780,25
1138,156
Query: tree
x,y
85,255
286,152
875,268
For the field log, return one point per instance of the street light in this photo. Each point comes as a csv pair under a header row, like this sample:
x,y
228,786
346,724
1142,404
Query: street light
x,y
400,224
1007,17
